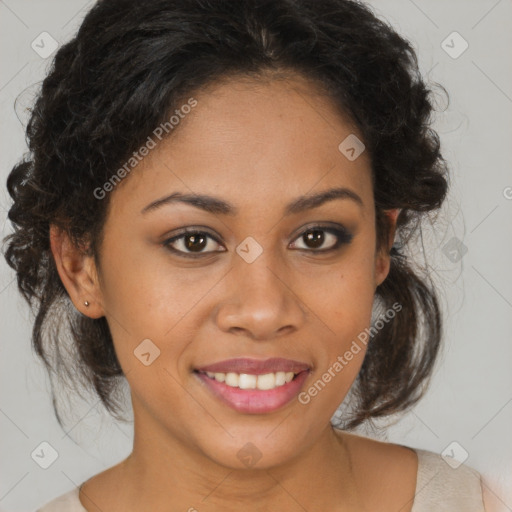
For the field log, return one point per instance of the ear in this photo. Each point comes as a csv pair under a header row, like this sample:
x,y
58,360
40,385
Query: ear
x,y
383,258
77,272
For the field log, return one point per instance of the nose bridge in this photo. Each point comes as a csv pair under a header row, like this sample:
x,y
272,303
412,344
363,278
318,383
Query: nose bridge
x,y
258,283
259,302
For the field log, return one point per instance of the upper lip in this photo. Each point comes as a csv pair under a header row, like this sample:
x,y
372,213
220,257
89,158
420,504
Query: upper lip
x,y
255,366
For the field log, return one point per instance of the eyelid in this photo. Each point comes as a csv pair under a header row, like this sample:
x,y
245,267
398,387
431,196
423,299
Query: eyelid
x,y
191,230
331,227
342,234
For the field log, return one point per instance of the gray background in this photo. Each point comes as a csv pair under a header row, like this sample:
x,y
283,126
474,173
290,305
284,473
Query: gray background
x,y
470,398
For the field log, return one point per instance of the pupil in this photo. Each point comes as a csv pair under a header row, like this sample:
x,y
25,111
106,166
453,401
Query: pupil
x,y
314,238
191,242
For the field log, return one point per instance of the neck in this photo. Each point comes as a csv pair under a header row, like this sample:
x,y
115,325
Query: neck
x,y
164,473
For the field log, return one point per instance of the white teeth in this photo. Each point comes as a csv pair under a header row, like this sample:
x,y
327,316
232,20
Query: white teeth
x,y
232,379
248,381
267,381
281,378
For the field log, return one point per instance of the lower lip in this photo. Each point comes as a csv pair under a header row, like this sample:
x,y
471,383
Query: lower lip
x,y
255,401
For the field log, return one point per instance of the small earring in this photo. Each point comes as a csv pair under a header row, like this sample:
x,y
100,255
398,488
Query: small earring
x,y
86,303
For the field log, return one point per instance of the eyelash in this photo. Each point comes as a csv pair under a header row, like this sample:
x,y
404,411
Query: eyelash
x,y
343,238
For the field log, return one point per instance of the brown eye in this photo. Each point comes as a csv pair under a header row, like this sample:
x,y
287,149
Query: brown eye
x,y
323,239
314,239
192,244
195,243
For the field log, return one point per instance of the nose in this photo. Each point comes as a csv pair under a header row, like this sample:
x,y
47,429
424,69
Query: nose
x,y
261,303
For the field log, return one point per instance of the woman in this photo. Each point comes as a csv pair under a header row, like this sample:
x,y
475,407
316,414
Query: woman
x,y
217,188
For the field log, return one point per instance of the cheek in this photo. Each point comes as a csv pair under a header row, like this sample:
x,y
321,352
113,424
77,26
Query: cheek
x,y
345,305
350,320
354,298
145,295
346,308
348,293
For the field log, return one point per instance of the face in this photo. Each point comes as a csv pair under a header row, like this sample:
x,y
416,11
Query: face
x,y
265,271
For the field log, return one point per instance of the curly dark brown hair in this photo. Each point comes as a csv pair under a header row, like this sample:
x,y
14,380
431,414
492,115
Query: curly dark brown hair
x,y
128,68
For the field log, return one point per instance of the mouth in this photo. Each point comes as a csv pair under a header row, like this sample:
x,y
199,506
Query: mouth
x,y
254,387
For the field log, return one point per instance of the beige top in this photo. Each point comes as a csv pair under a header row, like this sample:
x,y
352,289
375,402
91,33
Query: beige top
x,y
439,488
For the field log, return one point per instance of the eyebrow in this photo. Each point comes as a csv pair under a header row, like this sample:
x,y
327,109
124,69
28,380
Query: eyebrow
x,y
216,205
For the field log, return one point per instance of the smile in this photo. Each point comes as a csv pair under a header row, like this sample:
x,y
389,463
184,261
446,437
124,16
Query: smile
x,y
253,393
249,381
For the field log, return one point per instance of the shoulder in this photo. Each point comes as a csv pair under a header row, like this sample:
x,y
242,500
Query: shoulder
x,y
383,460
446,484
386,472
67,502
427,479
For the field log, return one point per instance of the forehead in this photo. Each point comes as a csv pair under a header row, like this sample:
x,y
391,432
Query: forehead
x,y
268,139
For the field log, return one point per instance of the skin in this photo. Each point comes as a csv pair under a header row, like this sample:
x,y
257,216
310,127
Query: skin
x,y
258,145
